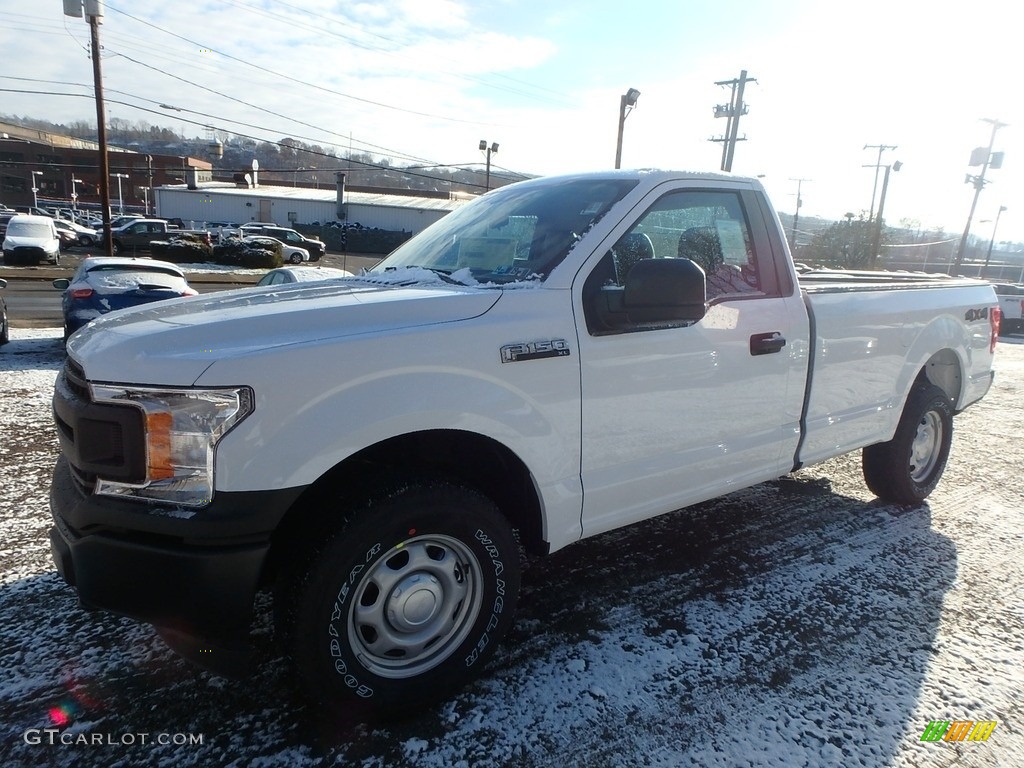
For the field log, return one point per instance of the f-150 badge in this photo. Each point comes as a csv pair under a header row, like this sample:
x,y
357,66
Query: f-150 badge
x,y
534,350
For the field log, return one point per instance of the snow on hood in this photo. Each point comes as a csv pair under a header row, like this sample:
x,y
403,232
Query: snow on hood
x,y
172,342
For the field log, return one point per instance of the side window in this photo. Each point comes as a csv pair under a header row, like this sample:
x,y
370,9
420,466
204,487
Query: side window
x,y
709,228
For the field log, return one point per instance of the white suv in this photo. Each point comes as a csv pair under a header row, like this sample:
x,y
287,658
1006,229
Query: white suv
x,y
30,239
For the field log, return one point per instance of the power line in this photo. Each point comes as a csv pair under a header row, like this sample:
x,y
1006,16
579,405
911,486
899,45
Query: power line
x,y
368,165
296,80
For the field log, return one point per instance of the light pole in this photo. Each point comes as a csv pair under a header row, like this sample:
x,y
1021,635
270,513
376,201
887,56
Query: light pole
x,y
120,199
35,189
74,192
626,103
993,240
488,149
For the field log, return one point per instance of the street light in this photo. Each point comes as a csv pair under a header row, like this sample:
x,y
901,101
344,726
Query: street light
x,y
993,240
74,192
120,199
35,189
626,103
488,150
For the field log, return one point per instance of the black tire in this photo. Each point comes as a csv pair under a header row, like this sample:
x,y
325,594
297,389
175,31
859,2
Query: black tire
x,y
85,241
907,468
404,603
5,330
295,258
115,248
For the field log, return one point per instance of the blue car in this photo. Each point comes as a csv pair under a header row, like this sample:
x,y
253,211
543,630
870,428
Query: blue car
x,y
103,284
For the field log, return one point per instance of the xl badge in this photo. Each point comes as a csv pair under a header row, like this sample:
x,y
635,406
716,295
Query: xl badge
x,y
534,350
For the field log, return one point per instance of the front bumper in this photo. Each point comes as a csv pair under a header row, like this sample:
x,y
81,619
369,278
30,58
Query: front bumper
x,y
194,574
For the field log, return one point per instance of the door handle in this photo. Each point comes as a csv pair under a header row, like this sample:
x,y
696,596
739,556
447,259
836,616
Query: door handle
x,y
767,343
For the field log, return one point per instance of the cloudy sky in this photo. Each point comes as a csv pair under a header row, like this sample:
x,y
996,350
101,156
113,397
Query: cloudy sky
x,y
425,80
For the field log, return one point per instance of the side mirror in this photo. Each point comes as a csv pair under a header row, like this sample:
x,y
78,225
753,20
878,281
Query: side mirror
x,y
61,283
664,291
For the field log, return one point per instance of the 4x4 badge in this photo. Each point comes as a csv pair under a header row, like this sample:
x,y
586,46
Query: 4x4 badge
x,y
534,350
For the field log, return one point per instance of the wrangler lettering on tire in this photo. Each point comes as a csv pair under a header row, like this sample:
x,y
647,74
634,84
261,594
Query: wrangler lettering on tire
x,y
402,603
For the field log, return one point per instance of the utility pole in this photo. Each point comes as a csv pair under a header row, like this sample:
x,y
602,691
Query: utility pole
x,y
733,111
979,184
881,148
796,215
992,242
94,10
876,239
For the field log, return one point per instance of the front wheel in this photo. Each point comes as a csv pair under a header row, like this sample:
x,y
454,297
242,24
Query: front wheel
x,y
296,258
907,468
405,602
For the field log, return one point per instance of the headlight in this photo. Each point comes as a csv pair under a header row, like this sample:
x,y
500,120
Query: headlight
x,y
182,428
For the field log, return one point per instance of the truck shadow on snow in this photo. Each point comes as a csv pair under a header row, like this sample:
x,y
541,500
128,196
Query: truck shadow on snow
x,y
783,619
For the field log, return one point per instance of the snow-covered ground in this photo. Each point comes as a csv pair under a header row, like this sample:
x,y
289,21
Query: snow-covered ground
x,y
798,623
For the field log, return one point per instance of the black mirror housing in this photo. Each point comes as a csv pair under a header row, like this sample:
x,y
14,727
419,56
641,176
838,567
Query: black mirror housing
x,y
664,291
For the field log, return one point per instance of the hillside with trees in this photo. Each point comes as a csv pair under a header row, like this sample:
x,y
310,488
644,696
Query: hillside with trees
x,y
288,161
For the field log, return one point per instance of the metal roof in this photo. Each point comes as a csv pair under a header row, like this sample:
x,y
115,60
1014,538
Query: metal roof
x,y
328,195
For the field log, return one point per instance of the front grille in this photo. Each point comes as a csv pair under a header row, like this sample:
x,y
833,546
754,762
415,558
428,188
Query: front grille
x,y
98,439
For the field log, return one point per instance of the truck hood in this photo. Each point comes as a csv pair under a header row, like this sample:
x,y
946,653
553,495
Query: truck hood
x,y
171,343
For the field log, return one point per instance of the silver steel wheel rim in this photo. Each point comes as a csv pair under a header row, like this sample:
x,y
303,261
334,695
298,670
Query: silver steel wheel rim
x,y
924,452
415,606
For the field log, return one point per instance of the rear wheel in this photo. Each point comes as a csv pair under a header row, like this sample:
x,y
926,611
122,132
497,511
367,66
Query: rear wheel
x,y
405,601
907,468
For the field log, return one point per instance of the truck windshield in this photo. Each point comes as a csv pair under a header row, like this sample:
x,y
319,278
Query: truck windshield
x,y
520,232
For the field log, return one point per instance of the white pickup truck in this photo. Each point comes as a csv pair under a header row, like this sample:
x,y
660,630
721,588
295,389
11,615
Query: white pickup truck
x,y
556,359
1011,304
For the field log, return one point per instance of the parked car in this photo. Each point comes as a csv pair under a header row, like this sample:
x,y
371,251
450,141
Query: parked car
x,y
31,239
287,236
290,253
4,218
283,275
72,234
220,229
5,330
67,236
1011,301
33,210
118,221
104,283
252,227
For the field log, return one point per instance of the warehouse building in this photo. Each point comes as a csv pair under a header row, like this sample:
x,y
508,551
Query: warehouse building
x,y
197,201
